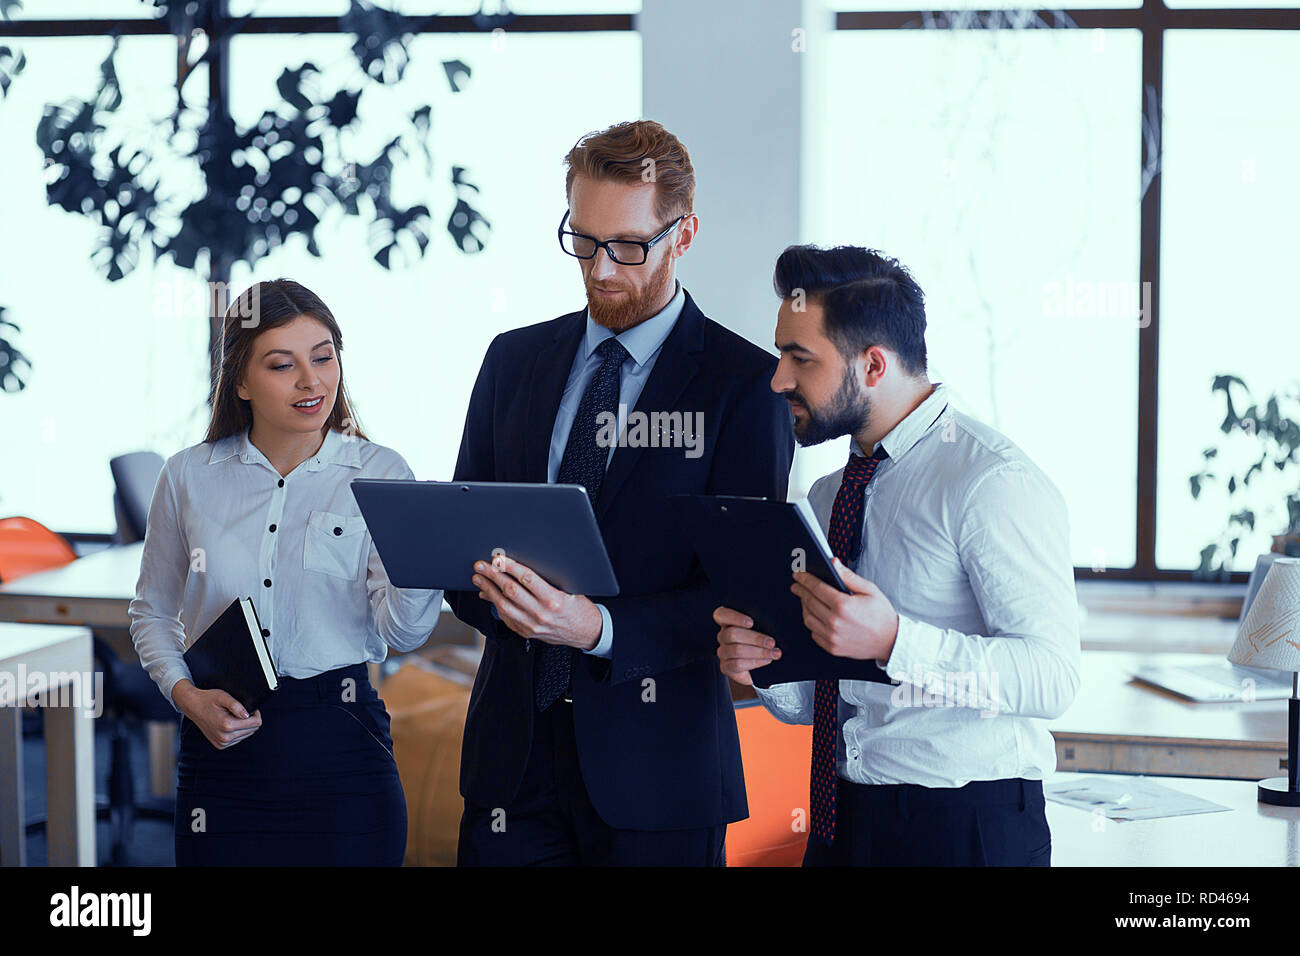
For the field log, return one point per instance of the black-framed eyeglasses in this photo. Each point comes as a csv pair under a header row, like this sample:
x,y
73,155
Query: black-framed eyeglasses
x,y
626,252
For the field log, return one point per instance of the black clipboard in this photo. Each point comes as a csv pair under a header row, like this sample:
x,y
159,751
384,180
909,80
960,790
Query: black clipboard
x,y
430,533
748,547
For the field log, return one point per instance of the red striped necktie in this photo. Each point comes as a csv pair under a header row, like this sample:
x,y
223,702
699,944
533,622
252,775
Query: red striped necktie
x,y
845,539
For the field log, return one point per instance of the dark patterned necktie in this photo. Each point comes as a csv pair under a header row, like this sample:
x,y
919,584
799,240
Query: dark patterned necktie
x,y
583,464
845,539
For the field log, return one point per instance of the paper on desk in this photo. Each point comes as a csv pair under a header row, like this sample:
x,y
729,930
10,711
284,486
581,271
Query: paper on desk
x,y
1123,798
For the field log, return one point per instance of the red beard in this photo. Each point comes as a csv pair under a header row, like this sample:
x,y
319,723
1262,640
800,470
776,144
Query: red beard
x,y
631,308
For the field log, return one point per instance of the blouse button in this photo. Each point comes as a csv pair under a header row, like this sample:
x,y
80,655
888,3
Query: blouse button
x,y
281,483
267,583
338,530
266,632
272,527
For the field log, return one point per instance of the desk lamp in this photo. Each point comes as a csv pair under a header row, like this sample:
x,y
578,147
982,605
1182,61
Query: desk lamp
x,y
1269,637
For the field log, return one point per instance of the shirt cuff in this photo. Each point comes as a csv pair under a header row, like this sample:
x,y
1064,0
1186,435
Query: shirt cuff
x,y
170,682
605,646
916,648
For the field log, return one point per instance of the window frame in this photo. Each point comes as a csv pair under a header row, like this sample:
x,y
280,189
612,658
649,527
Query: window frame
x,y
1152,20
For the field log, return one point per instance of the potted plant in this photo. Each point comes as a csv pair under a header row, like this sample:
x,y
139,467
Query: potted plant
x,y
1266,438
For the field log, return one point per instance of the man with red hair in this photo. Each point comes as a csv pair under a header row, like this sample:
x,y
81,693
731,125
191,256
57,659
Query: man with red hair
x,y
602,732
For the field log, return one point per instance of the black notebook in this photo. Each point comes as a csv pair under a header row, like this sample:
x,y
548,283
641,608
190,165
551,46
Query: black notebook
x,y
750,548
231,655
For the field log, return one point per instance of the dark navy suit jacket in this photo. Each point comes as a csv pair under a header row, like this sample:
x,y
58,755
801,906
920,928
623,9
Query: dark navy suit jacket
x,y
655,728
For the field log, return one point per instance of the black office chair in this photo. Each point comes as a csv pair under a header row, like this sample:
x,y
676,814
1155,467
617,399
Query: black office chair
x,y
130,696
134,478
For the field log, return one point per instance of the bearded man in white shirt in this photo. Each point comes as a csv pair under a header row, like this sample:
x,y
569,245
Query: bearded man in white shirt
x,y
955,547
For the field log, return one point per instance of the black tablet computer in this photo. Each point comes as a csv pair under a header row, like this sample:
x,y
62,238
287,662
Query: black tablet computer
x,y
750,549
430,533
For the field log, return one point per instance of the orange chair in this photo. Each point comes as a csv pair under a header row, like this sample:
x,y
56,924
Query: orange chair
x,y
776,757
27,546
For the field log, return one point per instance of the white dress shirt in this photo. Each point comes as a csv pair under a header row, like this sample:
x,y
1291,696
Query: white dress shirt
x,y
223,524
969,540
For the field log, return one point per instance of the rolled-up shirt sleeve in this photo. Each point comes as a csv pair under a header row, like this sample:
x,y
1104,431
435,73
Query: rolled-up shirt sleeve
x,y
404,617
1014,544
789,703
155,611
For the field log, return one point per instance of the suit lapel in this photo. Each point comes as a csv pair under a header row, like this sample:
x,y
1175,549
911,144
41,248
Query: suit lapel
x,y
676,365
550,373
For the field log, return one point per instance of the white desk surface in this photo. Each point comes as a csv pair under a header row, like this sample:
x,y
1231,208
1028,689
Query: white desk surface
x,y
1249,833
1111,704
69,745
107,573
95,590
1118,631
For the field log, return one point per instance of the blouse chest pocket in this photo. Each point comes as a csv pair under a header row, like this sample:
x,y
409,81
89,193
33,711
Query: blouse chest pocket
x,y
334,544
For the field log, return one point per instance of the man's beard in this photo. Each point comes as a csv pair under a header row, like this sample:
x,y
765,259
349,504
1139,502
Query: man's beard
x,y
632,307
845,414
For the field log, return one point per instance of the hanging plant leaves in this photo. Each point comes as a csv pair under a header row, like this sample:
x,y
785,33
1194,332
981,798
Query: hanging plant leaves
x,y
382,40
458,179
1222,384
262,184
455,69
12,63
461,223
14,365
422,124
465,217
289,86
343,108
108,189
1257,467
499,18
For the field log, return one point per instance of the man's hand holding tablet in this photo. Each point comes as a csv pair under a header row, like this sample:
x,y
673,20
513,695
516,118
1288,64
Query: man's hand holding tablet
x,y
534,609
862,625
741,649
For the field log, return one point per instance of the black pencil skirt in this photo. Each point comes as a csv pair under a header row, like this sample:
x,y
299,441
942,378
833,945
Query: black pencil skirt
x,y
316,785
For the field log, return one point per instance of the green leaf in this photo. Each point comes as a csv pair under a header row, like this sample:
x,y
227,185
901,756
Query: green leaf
x,y
1258,466
1207,558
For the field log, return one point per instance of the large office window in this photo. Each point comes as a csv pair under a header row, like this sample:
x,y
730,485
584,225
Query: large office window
x,y
1099,204
1230,253
114,369
122,366
413,336
1015,206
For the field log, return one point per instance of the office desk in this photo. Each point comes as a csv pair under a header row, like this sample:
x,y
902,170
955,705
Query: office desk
x,y
1119,725
95,591
69,744
1248,834
1127,631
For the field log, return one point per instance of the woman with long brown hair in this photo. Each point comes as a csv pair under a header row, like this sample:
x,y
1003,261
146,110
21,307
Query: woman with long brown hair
x,y
262,507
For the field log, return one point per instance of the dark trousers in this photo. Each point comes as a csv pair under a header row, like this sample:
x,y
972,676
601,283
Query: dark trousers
x,y
316,785
551,821
985,823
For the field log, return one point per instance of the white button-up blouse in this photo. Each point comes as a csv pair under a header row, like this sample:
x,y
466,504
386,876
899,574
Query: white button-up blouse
x,y
223,524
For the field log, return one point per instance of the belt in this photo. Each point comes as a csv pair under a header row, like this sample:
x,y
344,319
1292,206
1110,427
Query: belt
x,y
905,797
